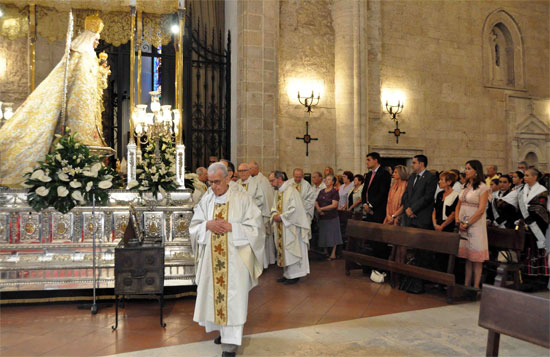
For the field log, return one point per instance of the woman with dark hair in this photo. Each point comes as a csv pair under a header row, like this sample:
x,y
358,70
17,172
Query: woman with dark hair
x,y
344,189
443,216
329,222
471,220
517,180
533,206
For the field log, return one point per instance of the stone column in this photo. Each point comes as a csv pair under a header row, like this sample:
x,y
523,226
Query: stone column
x,y
257,82
350,83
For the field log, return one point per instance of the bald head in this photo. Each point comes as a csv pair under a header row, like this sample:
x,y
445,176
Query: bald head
x,y
254,168
298,175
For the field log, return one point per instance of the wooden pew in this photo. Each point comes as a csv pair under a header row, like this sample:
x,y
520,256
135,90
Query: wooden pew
x,y
506,239
440,242
513,313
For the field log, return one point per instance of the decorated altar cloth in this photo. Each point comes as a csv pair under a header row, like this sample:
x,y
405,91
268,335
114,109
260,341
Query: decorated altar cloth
x,y
48,250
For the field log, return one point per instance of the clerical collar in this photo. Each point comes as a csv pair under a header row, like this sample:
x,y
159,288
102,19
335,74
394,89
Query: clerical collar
x,y
222,198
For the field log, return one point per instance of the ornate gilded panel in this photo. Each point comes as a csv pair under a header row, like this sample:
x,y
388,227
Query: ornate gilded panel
x,y
62,227
88,226
153,224
120,222
29,227
4,227
180,225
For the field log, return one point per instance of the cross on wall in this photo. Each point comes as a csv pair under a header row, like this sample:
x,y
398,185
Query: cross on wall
x,y
307,138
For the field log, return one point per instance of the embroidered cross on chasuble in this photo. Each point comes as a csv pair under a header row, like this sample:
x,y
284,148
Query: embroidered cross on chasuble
x,y
298,187
245,186
279,243
219,266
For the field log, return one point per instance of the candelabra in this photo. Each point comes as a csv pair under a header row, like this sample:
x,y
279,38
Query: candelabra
x,y
149,127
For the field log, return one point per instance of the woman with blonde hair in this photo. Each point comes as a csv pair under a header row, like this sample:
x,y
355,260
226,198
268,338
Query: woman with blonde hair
x,y
394,208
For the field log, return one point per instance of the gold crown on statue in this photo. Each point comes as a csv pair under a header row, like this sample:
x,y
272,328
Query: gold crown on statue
x,y
93,23
103,56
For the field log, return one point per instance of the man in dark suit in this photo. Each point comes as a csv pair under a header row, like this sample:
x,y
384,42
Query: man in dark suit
x,y
375,199
375,189
418,199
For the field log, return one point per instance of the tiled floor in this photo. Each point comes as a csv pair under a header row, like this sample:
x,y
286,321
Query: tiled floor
x,y
325,296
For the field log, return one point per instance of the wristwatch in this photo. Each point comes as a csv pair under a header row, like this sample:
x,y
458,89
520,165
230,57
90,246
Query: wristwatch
x,y
393,216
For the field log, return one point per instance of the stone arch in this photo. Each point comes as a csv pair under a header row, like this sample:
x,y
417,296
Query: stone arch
x,y
532,159
502,46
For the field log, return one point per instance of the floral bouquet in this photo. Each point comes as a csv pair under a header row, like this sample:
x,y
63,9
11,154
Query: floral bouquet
x,y
156,173
69,176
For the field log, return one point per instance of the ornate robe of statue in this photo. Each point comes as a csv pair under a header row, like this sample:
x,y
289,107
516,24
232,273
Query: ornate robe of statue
x,y
228,265
293,233
29,135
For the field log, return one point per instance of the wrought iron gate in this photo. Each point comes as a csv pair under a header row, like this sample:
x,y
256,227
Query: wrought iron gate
x,y
207,94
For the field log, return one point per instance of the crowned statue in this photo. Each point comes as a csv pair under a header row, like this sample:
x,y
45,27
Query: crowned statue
x,y
30,134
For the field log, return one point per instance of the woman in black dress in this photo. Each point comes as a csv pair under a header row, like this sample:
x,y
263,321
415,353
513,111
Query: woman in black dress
x,y
443,216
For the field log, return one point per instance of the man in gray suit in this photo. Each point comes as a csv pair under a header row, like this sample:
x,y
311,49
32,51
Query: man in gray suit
x,y
418,199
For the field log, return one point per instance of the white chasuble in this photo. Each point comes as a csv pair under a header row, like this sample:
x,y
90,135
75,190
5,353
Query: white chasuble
x,y
228,265
268,193
293,233
308,195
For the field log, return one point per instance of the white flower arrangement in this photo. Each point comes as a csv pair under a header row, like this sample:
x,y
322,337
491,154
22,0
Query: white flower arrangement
x,y
69,176
156,174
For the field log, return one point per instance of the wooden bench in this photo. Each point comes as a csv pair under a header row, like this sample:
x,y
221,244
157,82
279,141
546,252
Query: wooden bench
x,y
415,238
513,313
508,240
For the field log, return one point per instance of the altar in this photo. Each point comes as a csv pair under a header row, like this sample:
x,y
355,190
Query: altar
x,y
48,250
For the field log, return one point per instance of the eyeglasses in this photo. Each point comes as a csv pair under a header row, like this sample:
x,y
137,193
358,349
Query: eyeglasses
x,y
243,170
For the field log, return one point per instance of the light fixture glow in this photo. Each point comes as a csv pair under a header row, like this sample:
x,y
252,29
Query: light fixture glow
x,y
175,29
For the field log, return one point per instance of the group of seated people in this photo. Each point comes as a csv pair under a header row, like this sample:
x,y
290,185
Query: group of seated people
x,y
465,202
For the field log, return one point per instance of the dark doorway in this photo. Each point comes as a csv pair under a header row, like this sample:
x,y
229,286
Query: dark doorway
x,y
394,161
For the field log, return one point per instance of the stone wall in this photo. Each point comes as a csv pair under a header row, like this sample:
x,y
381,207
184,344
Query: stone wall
x,y
306,53
432,51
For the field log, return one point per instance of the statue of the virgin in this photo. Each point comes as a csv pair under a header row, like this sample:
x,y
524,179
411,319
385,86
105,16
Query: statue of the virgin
x,y
29,135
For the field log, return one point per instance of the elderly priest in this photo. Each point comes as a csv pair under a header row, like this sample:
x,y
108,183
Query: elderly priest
x,y
227,230
292,229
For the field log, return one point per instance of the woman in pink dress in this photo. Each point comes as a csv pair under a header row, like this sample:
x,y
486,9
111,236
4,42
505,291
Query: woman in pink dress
x,y
394,208
471,221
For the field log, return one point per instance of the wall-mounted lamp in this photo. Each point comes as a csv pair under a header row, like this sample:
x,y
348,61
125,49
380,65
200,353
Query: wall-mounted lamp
x,y
175,29
310,101
394,104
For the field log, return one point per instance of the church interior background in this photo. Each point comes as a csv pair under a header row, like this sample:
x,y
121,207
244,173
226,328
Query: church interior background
x,y
473,78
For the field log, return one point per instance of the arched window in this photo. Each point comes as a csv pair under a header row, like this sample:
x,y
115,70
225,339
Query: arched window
x,y
502,52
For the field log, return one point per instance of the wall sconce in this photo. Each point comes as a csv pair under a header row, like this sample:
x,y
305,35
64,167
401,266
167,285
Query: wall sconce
x,y
310,101
296,87
394,104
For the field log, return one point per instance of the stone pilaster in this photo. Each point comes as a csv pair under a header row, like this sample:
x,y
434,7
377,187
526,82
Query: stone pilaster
x,y
257,82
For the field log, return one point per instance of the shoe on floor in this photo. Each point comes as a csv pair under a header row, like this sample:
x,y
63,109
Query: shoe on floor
x,y
229,354
282,280
291,281
218,340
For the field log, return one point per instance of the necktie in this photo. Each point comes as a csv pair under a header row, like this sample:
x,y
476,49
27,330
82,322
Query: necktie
x,y
415,179
370,181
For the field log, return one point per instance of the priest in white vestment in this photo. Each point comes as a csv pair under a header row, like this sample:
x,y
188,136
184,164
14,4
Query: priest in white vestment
x,y
306,191
228,240
269,193
292,230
